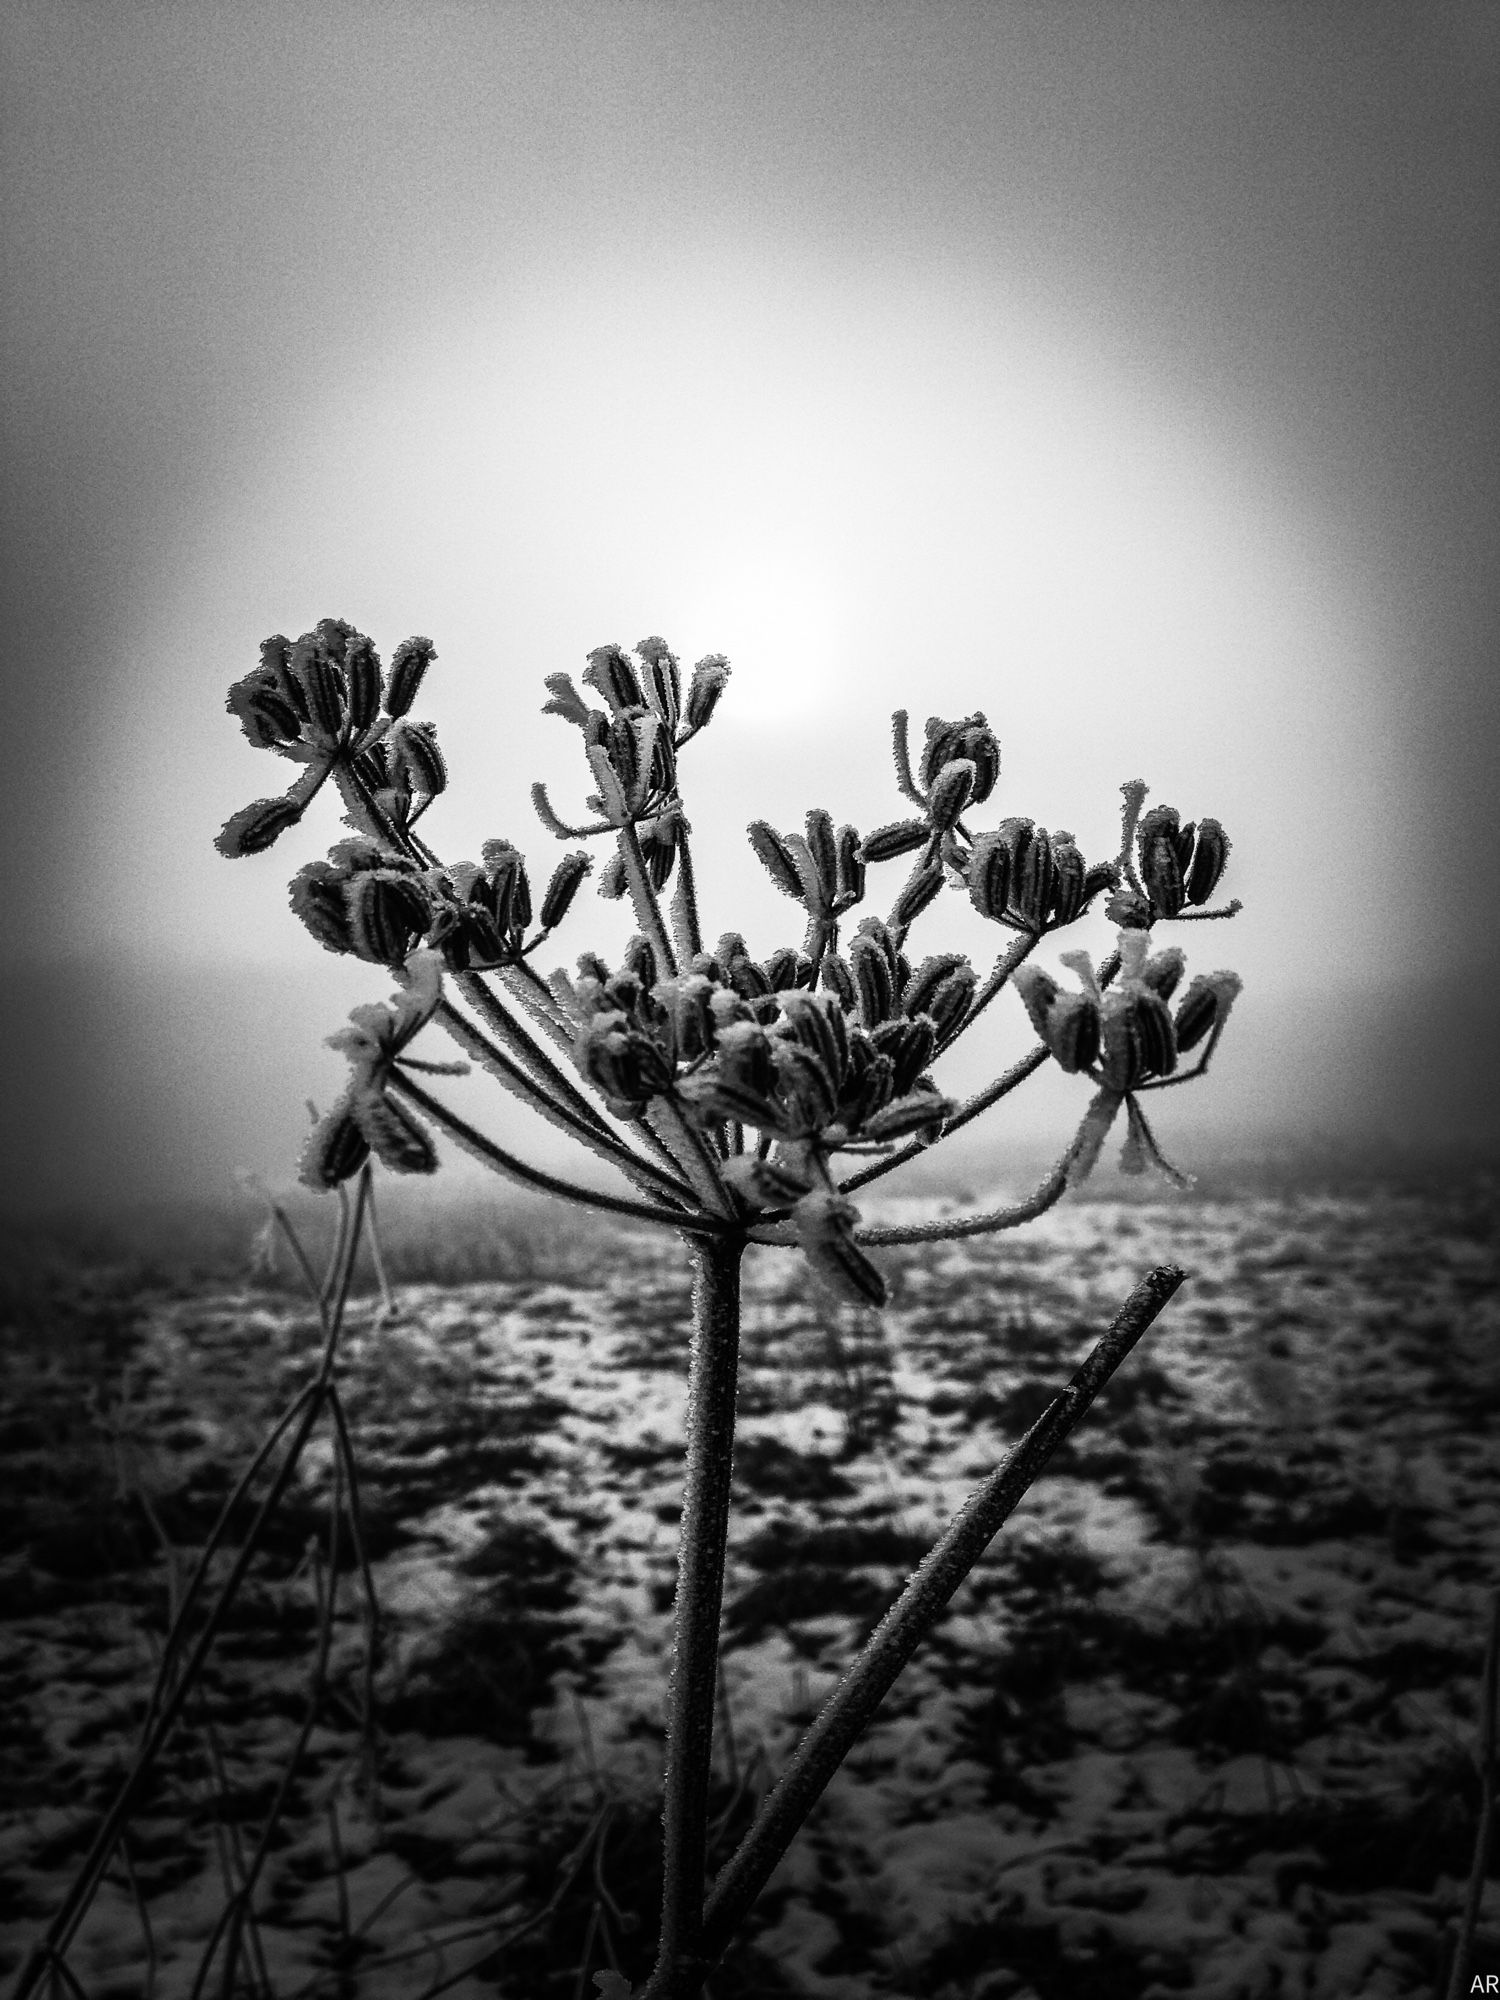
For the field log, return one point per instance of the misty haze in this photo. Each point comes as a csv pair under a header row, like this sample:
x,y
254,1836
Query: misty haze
x,y
450,1517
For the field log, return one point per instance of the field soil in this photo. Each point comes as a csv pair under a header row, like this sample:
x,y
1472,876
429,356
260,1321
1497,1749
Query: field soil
x,y
1202,1722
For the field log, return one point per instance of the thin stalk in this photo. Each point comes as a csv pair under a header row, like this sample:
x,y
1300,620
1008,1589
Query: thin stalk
x,y
686,926
486,1151
166,1710
1489,1722
588,1131
538,999
681,1965
644,899
691,1149
992,1093
971,1108
537,1061
1045,1196
910,1619
1015,954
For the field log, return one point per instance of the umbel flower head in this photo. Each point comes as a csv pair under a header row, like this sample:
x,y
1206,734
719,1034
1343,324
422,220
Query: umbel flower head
x,y
325,703
739,1085
366,1118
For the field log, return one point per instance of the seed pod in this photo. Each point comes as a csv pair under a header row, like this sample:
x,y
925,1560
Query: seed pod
x,y
823,847
1103,875
807,1095
971,739
265,714
336,1149
1038,991
950,1002
781,969
902,836
389,915
747,980
409,664
919,890
1069,877
416,761
1157,843
709,679
760,1184
994,867
871,967
316,894
612,884
825,1228
1033,879
918,1111
255,827
850,871
1072,1031
776,857
1163,970
917,992
910,1046
1210,855
870,1084
659,846
276,671
686,1002
362,676
951,792
322,688
836,977
563,887
611,674
639,963
1128,911
397,1138
1136,1037
745,1060
663,679
566,700
1205,1005
509,895
817,1022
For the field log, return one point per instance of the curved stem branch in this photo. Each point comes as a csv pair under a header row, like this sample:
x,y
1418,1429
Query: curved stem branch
x,y
644,899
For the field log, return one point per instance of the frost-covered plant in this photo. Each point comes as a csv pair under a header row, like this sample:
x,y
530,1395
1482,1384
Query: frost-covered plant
x,y
743,1099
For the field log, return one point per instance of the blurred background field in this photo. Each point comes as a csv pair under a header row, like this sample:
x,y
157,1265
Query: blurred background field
x,y
1203,1721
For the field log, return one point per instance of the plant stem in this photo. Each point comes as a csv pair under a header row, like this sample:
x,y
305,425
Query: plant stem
x,y
680,1965
1489,1723
910,1619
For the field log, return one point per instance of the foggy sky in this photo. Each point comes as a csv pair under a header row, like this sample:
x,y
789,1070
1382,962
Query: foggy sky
x,y
1126,371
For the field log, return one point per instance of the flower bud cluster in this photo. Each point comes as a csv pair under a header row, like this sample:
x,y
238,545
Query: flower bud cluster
x,y
1179,865
1027,878
733,1040
823,870
366,1118
632,743
1128,1036
325,703
381,905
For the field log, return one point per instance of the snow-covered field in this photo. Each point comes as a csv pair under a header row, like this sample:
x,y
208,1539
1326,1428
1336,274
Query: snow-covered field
x,y
1203,1722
